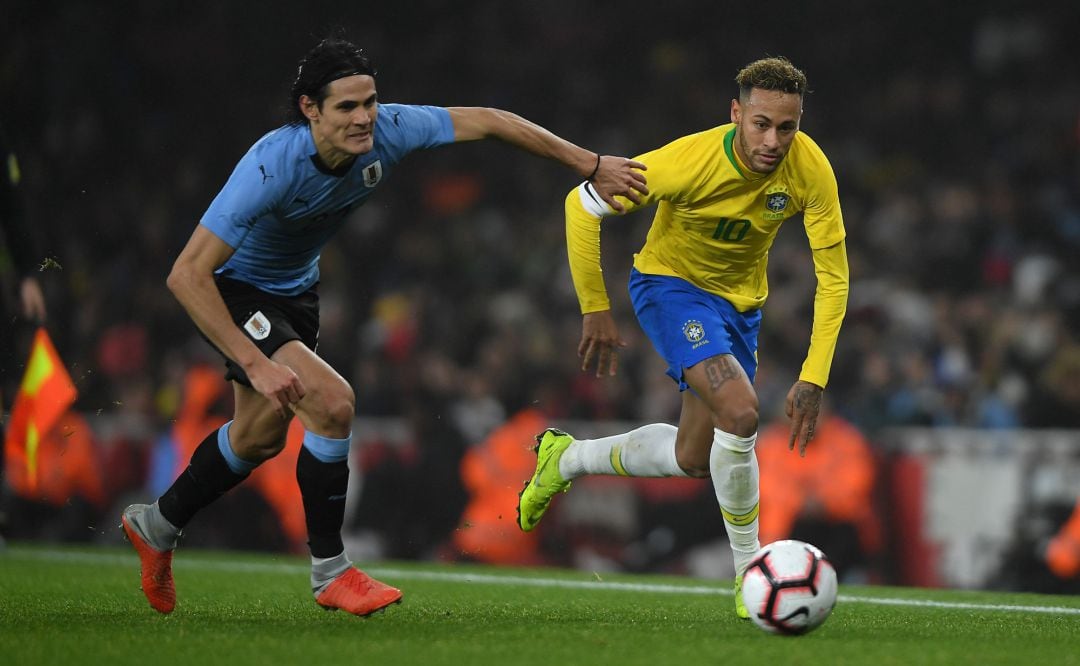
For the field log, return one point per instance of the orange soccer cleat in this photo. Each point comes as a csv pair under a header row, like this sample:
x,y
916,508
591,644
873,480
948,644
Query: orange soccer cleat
x,y
156,565
358,593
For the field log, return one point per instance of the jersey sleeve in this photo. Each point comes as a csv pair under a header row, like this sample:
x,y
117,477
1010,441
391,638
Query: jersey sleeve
x,y
821,211
584,209
413,127
830,305
825,231
250,193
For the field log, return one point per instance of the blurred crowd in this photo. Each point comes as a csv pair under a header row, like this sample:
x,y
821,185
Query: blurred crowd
x,y
958,169
447,299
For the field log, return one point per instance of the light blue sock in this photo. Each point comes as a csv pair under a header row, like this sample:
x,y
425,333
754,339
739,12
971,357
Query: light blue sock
x,y
238,465
327,449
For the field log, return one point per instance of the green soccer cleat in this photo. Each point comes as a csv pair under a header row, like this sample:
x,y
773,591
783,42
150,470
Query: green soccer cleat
x,y
546,481
740,606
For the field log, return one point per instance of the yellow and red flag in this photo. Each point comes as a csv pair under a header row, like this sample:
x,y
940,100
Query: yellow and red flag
x,y
44,395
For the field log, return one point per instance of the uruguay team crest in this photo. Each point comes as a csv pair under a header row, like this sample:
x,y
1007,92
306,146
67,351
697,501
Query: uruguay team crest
x,y
258,326
373,173
694,330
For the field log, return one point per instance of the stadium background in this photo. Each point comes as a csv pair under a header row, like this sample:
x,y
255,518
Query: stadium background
x,y
954,134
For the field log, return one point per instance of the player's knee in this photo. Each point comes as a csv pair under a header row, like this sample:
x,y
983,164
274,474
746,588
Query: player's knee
x,y
340,413
335,408
341,409
739,419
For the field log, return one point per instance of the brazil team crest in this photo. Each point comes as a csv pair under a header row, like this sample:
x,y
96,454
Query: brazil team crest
x,y
694,330
776,203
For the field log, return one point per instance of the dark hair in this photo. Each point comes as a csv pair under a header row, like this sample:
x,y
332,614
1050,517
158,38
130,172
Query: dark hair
x,y
771,74
331,59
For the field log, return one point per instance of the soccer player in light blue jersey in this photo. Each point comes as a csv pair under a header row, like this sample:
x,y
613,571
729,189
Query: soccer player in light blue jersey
x,y
248,278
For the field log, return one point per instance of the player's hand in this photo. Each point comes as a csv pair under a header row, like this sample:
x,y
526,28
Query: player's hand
x,y
278,384
618,176
600,341
33,300
803,406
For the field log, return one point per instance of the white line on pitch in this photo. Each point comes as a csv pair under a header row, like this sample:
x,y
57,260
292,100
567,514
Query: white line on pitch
x,y
489,579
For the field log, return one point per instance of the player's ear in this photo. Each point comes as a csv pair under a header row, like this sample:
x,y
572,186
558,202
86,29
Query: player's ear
x,y
736,111
309,107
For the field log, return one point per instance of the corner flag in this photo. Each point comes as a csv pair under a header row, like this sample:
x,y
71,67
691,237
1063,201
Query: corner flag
x,y
44,395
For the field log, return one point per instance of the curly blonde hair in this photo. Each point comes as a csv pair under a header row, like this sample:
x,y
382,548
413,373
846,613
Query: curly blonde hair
x,y
771,74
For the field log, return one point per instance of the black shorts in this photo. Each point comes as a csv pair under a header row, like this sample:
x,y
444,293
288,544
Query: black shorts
x,y
269,320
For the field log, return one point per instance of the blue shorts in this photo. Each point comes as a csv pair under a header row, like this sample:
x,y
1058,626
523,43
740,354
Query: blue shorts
x,y
688,325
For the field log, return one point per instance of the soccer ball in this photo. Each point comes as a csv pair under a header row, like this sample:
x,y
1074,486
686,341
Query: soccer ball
x,y
789,588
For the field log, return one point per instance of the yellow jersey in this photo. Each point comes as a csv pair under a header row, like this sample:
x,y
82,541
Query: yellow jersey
x,y
715,223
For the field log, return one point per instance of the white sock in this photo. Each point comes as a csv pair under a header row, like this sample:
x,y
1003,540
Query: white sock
x,y
162,534
325,569
734,468
648,451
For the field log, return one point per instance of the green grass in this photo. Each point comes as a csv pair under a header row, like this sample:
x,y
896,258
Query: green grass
x,y
83,606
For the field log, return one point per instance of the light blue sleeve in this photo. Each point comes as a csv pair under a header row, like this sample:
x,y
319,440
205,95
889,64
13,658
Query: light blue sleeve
x,y
410,127
252,191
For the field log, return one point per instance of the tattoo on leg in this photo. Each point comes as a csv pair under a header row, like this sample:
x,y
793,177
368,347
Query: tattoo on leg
x,y
719,370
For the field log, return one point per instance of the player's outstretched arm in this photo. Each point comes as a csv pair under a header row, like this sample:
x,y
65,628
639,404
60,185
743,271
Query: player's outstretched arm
x,y
830,304
611,176
192,282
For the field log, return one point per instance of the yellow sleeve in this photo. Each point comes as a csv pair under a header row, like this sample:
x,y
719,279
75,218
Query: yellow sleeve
x,y
822,217
830,305
583,248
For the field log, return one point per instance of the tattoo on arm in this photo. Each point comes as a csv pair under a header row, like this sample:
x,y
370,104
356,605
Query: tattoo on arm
x,y
808,398
719,370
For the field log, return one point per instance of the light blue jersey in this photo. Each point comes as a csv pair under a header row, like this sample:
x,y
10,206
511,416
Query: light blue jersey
x,y
280,207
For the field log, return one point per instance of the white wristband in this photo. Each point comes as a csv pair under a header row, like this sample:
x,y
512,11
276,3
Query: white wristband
x,y
592,202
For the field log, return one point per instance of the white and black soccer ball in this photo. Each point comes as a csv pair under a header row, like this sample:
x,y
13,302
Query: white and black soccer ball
x,y
789,587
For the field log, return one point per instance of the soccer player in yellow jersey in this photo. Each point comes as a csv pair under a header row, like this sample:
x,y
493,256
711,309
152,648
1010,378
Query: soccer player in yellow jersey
x,y
698,286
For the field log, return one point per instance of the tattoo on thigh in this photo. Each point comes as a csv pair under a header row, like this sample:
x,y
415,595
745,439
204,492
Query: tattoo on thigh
x,y
719,370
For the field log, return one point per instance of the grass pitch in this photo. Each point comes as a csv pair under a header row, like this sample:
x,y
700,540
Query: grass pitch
x,y
83,606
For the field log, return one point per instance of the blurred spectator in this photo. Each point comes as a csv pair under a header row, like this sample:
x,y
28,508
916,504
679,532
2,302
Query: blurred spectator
x,y
955,231
19,256
415,483
69,502
491,471
1056,392
825,498
1063,551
